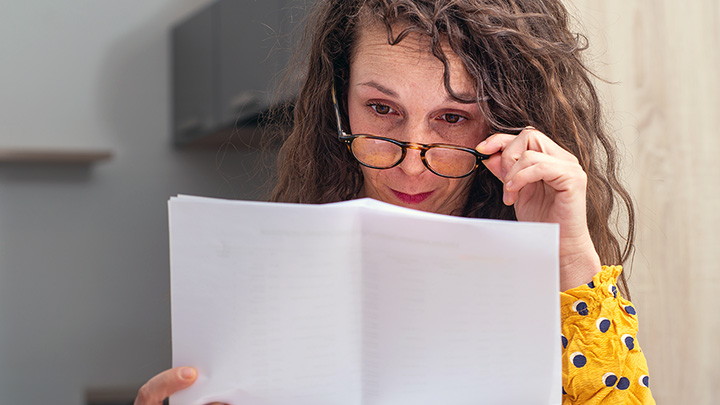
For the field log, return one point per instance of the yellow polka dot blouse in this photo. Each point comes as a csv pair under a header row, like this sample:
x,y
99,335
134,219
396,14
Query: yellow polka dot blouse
x,y
602,360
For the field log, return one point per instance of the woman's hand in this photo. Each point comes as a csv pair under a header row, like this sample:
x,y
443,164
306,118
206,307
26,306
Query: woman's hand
x,y
545,183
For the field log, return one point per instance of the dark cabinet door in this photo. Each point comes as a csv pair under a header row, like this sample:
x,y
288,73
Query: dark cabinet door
x,y
249,59
193,69
228,60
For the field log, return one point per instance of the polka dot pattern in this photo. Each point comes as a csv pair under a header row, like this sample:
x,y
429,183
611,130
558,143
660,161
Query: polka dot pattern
x,y
580,307
609,379
629,341
578,359
602,357
603,324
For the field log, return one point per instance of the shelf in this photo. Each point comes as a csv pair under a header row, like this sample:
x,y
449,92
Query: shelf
x,y
53,156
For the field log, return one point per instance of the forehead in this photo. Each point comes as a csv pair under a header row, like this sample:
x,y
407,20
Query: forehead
x,y
410,57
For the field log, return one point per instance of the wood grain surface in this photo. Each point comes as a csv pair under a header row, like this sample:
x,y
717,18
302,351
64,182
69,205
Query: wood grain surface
x,y
662,58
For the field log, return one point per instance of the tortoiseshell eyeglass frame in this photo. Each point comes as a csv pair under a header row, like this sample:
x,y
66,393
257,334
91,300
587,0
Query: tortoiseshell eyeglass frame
x,y
423,148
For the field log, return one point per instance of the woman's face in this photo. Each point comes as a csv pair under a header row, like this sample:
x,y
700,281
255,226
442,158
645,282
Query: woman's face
x,y
398,92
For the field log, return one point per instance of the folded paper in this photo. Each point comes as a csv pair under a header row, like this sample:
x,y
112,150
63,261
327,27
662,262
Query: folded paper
x,y
361,302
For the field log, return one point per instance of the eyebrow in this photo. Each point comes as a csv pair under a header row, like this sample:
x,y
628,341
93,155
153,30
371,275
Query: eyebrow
x,y
379,87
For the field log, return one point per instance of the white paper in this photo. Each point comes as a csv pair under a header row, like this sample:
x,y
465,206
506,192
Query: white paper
x,y
361,302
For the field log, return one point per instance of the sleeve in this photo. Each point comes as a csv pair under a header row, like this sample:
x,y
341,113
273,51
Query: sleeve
x,y
602,360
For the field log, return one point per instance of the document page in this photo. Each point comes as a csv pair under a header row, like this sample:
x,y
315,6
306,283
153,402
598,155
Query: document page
x,y
363,303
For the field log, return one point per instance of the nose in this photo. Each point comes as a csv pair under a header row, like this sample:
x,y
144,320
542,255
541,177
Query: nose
x,y
412,165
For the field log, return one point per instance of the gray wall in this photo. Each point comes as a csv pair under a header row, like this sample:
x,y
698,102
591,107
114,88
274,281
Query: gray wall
x,y
84,292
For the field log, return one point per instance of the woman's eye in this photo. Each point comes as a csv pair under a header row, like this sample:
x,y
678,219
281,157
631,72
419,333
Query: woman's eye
x,y
381,109
453,118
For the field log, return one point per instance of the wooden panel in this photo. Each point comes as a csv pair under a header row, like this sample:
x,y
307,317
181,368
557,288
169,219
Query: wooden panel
x,y
53,156
664,57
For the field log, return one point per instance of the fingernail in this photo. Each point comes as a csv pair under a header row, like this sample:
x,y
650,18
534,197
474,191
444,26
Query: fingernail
x,y
187,373
482,144
508,185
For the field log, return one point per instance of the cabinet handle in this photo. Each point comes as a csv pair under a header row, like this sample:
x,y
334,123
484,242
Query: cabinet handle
x,y
189,125
244,101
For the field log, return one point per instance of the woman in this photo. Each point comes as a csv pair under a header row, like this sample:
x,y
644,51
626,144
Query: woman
x,y
480,108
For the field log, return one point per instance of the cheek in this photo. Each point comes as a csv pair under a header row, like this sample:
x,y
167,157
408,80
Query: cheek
x,y
459,186
370,177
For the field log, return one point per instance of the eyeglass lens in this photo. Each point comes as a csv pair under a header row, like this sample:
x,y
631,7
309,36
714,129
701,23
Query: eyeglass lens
x,y
382,154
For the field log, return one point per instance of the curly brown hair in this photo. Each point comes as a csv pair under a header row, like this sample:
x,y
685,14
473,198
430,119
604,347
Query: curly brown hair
x,y
525,61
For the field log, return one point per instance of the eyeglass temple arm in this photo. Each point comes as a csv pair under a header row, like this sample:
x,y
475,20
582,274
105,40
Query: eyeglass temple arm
x,y
337,112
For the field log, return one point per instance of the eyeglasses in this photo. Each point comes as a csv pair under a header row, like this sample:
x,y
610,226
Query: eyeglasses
x,y
378,152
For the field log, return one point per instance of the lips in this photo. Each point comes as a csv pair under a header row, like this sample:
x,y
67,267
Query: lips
x,y
412,198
